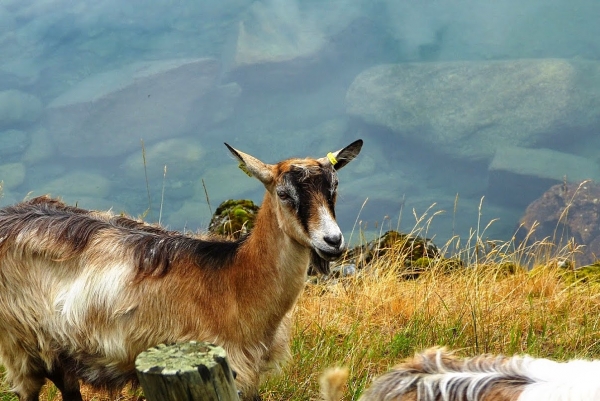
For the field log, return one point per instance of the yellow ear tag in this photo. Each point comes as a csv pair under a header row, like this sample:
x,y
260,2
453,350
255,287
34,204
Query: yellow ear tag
x,y
332,158
243,167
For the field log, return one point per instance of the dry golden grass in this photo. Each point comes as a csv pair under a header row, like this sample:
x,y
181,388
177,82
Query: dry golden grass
x,y
373,320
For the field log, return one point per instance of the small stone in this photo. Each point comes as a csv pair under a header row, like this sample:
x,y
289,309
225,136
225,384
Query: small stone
x,y
18,108
79,183
40,148
13,142
184,158
12,175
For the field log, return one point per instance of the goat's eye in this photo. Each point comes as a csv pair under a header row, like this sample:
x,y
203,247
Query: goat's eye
x,y
284,196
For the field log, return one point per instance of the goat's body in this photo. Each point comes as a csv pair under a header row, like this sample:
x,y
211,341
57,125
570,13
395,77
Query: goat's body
x,y
437,375
82,293
72,300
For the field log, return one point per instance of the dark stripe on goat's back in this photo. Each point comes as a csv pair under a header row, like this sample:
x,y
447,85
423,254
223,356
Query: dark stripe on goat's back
x,y
156,253
49,227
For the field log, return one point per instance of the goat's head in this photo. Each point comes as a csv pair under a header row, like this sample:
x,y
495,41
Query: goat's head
x,y
303,193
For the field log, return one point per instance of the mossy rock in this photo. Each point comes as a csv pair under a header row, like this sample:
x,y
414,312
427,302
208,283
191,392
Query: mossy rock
x,y
233,218
414,268
423,263
589,274
404,246
509,268
444,264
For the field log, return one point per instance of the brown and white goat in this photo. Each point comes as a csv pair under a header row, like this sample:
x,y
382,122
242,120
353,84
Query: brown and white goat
x,y
82,293
438,375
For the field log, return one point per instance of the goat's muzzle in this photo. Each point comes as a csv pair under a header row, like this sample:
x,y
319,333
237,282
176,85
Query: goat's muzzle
x,y
320,259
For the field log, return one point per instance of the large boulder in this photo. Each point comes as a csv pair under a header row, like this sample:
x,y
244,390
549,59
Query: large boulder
x,y
566,212
275,41
271,49
283,47
107,114
467,109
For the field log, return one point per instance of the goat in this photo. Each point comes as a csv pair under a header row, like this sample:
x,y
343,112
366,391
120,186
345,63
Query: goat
x,y
438,375
82,293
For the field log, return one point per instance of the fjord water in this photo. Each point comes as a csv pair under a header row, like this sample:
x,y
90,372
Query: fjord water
x,y
469,109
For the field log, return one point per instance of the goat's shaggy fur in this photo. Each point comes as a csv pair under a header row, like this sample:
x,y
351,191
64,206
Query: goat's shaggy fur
x,y
82,293
438,375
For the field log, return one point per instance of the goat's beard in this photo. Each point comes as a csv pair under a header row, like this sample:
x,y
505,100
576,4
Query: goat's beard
x,y
318,263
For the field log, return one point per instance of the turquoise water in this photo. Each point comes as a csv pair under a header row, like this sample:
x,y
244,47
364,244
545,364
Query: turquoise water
x,y
469,109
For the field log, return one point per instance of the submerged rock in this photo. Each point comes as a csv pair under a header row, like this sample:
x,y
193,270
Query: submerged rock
x,y
468,109
77,184
40,148
18,108
107,114
184,158
272,46
13,142
12,175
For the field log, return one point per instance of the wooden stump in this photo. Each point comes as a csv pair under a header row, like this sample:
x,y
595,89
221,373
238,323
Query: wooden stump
x,y
191,371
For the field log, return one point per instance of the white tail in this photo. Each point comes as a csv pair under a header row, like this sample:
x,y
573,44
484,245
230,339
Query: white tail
x,y
83,293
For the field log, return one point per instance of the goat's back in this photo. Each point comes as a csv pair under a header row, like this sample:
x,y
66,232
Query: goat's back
x,y
84,290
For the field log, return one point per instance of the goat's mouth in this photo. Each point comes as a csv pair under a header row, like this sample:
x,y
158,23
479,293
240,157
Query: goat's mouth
x,y
318,263
321,260
329,255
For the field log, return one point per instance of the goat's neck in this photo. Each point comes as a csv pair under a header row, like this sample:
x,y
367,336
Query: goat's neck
x,y
272,263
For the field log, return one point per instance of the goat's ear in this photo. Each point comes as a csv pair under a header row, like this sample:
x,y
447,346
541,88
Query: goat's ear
x,y
343,156
252,166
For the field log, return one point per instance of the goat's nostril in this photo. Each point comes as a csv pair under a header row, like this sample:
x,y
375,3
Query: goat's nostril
x,y
334,239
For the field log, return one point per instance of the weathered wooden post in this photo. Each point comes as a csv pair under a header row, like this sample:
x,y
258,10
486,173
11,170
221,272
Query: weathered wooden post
x,y
194,371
